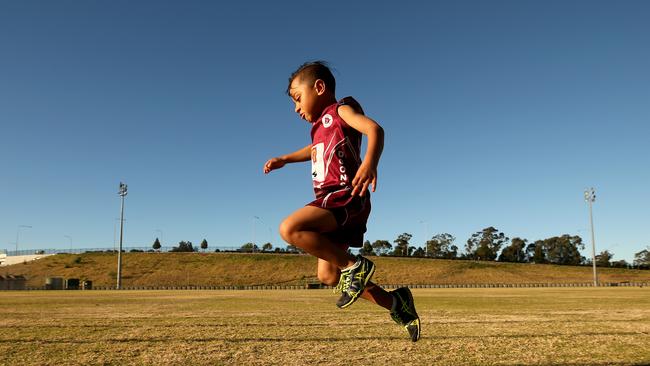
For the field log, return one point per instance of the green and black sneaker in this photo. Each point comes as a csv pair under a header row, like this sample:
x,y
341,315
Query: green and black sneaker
x,y
353,281
404,314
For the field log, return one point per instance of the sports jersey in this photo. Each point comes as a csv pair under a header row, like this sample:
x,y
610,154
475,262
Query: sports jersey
x,y
335,151
335,154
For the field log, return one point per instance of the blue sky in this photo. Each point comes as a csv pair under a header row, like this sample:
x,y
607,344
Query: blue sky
x,y
496,113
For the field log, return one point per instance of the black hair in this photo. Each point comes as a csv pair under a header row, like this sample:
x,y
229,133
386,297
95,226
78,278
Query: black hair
x,y
312,71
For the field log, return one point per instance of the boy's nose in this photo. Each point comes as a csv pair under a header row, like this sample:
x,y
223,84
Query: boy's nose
x,y
297,109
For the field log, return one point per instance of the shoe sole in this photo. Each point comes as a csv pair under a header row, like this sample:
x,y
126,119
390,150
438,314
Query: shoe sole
x,y
354,299
415,337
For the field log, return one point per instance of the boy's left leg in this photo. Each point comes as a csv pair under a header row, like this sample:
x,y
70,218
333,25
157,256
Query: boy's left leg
x,y
329,274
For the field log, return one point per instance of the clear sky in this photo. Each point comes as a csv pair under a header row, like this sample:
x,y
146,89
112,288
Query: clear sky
x,y
497,113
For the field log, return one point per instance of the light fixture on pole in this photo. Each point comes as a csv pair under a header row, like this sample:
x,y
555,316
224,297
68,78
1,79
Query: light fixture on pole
x,y
17,235
590,197
122,193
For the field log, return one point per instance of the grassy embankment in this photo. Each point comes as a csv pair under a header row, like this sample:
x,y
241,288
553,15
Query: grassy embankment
x,y
218,269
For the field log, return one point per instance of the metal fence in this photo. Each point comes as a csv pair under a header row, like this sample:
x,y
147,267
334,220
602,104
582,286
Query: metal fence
x,y
390,286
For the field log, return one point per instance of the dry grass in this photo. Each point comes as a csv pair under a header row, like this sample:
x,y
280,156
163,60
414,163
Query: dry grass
x,y
560,326
216,269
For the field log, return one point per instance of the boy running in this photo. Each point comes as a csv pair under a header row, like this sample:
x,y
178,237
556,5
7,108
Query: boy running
x,y
336,220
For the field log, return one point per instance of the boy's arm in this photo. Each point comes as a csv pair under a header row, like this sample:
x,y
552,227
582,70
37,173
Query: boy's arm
x,y
303,154
367,173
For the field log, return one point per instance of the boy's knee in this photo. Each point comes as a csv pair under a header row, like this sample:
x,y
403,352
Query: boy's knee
x,y
286,229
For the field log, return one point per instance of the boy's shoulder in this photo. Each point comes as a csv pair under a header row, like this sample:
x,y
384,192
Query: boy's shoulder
x,y
350,101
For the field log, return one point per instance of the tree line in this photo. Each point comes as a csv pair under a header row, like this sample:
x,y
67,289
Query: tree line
x,y
488,244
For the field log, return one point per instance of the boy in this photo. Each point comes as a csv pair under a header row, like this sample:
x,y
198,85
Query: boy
x,y
336,220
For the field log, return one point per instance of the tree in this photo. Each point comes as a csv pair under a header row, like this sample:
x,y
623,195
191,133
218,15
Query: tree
x,y
156,245
620,264
366,249
294,249
642,259
183,246
418,252
485,244
381,247
248,247
535,252
604,258
267,247
411,250
402,245
515,252
441,246
564,249
204,245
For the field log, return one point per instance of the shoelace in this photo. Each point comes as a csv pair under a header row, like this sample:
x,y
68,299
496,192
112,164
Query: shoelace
x,y
344,282
406,309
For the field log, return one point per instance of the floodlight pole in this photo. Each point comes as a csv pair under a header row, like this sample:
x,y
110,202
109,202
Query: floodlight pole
x,y
590,197
426,233
254,218
122,193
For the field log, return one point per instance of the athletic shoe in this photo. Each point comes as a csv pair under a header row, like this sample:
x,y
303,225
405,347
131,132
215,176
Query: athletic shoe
x,y
404,314
353,281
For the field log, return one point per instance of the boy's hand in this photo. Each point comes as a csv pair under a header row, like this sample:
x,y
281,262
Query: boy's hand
x,y
366,176
274,163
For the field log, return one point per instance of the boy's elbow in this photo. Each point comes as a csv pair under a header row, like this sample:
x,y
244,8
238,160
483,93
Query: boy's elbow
x,y
379,131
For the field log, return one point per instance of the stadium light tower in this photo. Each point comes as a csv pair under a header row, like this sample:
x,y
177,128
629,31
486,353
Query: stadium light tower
x,y
590,197
253,231
122,193
18,234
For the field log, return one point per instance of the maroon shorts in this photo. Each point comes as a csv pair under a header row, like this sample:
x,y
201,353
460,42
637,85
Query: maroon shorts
x,y
351,215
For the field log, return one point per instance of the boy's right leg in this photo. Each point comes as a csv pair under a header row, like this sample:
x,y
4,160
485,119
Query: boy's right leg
x,y
404,314
305,229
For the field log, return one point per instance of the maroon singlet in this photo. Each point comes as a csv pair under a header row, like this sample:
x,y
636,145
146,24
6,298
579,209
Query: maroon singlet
x,y
335,158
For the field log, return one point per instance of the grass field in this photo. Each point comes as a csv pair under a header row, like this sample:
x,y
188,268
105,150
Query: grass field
x,y
540,326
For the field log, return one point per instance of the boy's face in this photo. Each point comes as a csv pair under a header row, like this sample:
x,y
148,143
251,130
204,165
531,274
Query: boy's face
x,y
306,97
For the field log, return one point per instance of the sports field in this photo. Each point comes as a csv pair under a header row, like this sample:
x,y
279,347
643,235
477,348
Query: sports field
x,y
515,326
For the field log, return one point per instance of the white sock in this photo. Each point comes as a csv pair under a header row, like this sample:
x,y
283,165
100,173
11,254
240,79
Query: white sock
x,y
355,265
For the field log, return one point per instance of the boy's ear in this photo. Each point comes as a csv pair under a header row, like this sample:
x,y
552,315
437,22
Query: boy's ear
x,y
319,86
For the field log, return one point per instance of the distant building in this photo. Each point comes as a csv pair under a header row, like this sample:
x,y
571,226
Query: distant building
x,y
10,282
